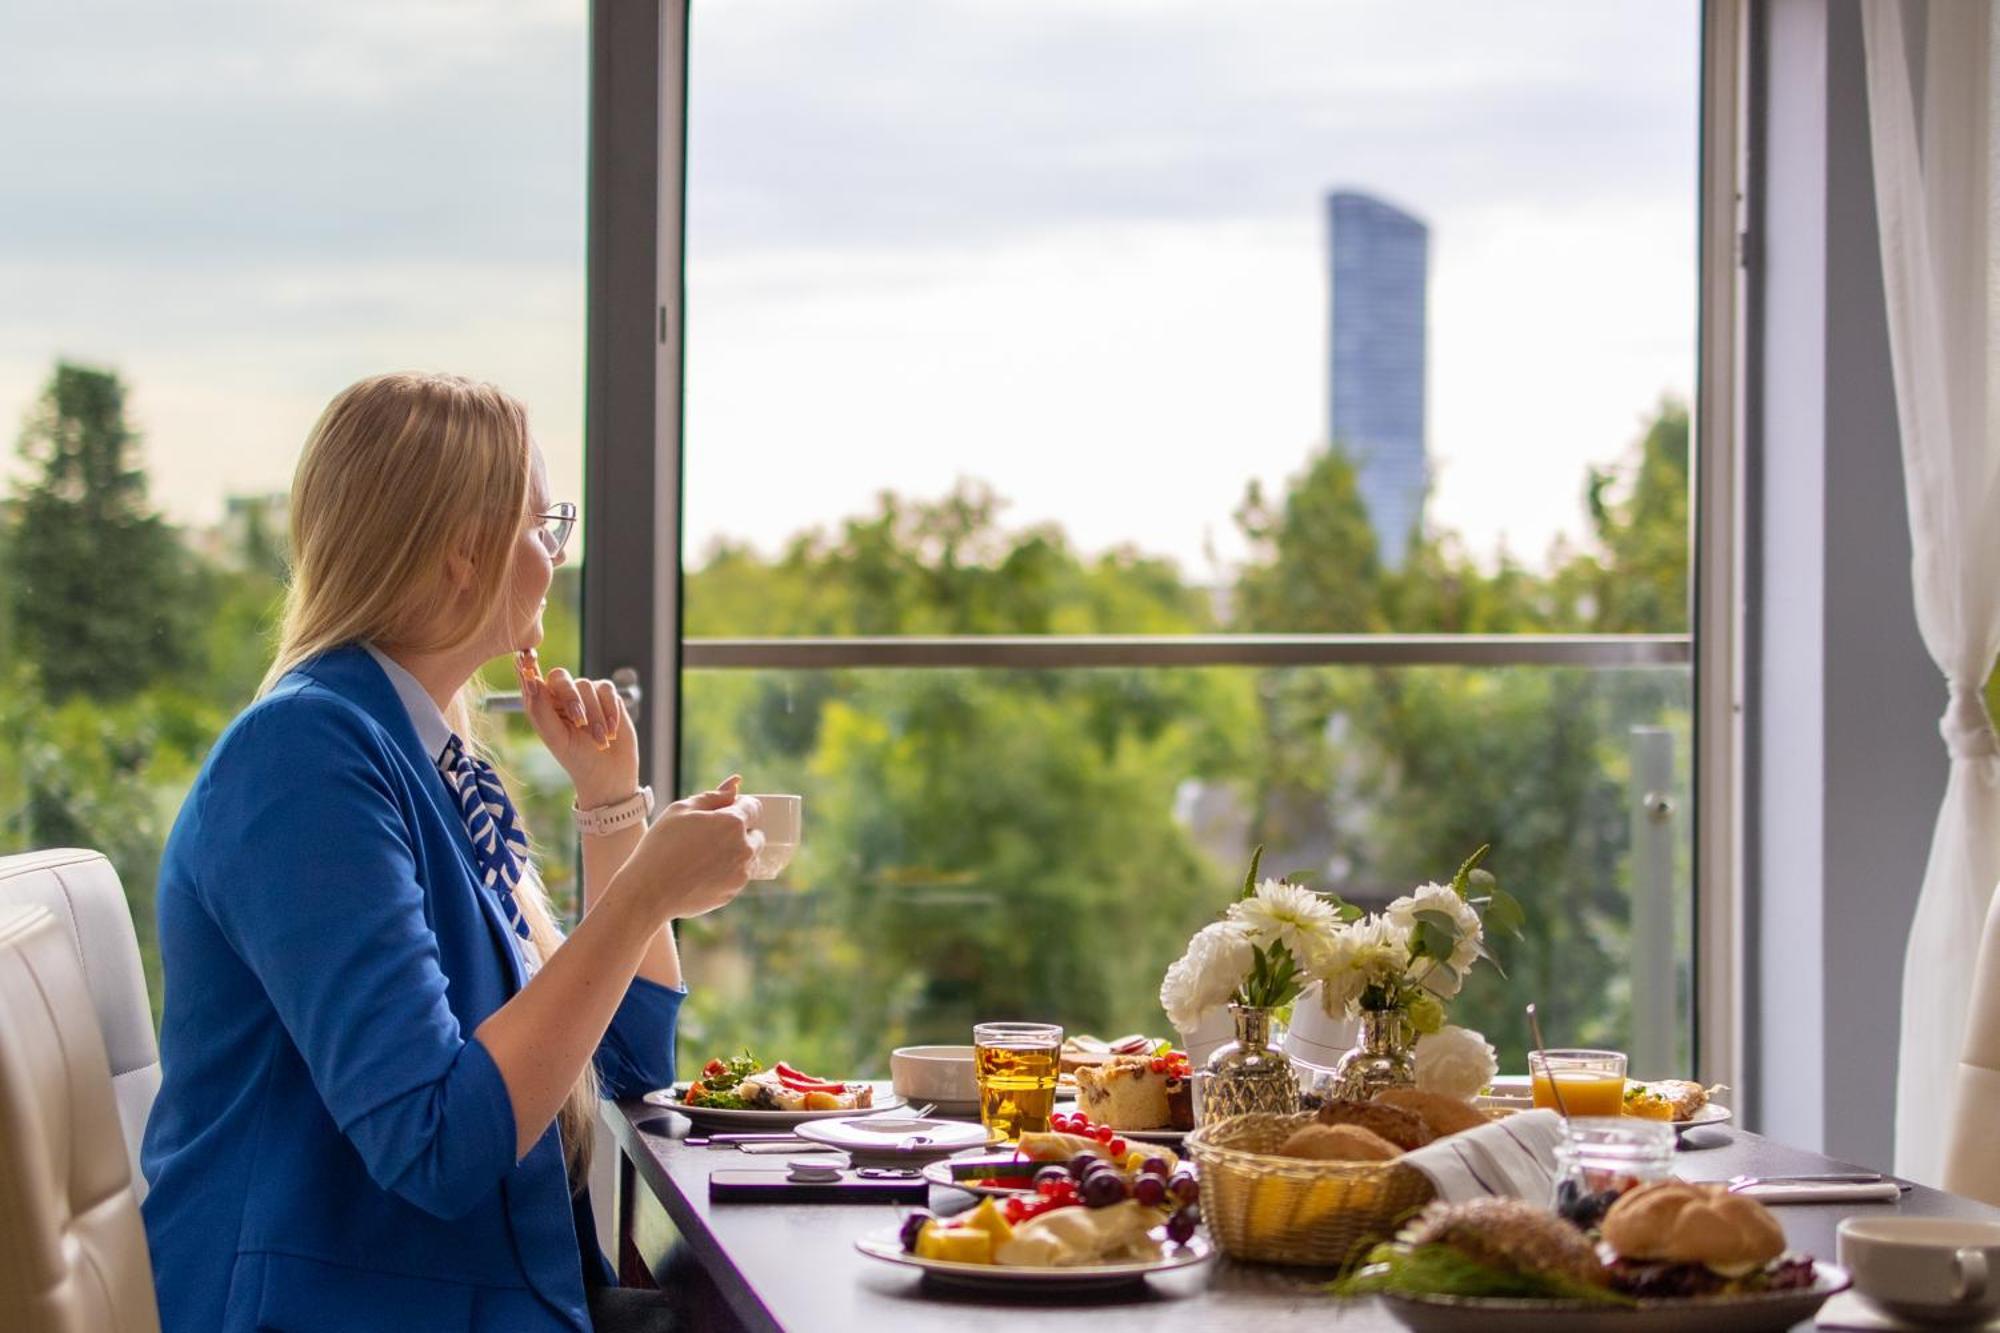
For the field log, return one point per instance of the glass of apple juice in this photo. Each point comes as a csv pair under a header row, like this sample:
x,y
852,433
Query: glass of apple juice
x,y
1016,1065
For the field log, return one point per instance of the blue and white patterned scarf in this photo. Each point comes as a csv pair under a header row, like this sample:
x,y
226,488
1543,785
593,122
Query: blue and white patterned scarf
x,y
499,846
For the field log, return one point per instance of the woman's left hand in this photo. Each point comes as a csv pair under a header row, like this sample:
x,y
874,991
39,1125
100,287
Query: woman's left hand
x,y
586,727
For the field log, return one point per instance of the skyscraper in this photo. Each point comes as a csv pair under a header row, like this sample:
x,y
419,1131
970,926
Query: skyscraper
x,y
1380,262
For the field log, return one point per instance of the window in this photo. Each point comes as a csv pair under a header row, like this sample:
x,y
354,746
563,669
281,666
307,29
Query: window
x,y
227,213
1337,363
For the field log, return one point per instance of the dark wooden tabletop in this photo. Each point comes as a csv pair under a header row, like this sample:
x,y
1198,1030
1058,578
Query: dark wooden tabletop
x,y
794,1266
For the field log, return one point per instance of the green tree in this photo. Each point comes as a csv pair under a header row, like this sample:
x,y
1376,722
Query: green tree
x,y
99,584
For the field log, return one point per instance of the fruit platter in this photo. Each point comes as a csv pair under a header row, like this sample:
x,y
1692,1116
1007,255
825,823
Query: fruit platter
x,y
1064,1209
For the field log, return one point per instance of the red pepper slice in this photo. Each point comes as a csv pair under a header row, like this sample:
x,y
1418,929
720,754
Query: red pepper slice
x,y
799,1082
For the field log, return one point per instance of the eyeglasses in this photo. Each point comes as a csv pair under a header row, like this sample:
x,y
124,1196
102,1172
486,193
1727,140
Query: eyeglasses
x,y
556,526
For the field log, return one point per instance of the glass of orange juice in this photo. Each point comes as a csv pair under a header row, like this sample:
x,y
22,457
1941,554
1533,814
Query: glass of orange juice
x,y
1591,1082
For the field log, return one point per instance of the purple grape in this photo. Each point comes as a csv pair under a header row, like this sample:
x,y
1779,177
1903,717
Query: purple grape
x,y
1050,1175
1102,1189
1180,1227
1079,1165
1150,1191
913,1225
1155,1166
1183,1187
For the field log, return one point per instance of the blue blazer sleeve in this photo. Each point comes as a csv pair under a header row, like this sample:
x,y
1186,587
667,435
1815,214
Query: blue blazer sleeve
x,y
637,1053
309,869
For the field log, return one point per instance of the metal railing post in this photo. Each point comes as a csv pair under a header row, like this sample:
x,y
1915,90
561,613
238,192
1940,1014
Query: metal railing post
x,y
1655,988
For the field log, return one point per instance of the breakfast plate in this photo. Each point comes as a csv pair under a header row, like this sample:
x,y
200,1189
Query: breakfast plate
x,y
716,1117
1512,1092
1757,1312
1167,1136
888,1247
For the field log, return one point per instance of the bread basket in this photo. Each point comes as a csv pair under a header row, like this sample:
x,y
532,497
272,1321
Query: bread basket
x,y
1294,1210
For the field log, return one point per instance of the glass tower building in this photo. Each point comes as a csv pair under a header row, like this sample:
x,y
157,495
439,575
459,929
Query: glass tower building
x,y
1380,262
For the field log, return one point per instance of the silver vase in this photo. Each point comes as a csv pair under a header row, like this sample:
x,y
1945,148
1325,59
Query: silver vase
x,y
1247,1074
1382,1060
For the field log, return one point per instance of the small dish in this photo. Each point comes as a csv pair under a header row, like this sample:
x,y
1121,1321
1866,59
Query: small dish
x,y
1758,1312
753,1120
896,1136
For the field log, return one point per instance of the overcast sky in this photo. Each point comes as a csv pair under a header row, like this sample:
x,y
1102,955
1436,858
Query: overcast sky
x,y
1074,248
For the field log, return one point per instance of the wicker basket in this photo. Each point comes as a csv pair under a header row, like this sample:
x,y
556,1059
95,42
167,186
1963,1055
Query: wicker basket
x,y
1293,1210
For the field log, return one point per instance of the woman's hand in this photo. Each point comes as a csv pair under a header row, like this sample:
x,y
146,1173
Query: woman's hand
x,y
585,726
695,857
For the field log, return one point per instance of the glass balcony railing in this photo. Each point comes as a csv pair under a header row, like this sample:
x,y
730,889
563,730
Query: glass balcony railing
x,y
1041,842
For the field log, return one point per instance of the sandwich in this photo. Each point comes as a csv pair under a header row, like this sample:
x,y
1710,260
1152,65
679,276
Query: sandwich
x,y
1674,1238
1487,1248
1666,1099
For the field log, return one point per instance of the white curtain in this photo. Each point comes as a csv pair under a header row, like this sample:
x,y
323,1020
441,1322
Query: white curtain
x,y
1930,115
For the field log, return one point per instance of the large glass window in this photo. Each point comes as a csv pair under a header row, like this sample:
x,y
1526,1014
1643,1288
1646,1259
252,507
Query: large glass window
x,y
223,214
1296,319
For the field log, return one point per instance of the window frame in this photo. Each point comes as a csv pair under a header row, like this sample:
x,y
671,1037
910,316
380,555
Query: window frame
x,y
633,470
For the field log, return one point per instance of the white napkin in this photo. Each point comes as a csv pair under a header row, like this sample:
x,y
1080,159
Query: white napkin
x,y
1852,1310
1513,1157
1823,1191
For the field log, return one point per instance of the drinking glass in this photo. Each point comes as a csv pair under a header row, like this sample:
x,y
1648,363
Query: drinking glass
x,y
1592,1082
1016,1065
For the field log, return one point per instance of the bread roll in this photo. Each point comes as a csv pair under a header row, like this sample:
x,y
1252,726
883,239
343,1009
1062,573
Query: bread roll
x,y
1676,1222
1338,1143
1405,1129
1441,1114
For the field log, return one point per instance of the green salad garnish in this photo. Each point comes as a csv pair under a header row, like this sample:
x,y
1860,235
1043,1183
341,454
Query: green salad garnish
x,y
1440,1270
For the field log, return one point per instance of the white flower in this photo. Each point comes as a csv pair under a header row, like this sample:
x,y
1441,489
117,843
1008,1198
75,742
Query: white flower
x,y
1215,964
1281,913
1371,951
1455,1062
1467,932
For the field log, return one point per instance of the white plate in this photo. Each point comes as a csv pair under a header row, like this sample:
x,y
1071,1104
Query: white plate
x,y
888,1247
1167,1136
939,1173
893,1135
752,1120
1513,1092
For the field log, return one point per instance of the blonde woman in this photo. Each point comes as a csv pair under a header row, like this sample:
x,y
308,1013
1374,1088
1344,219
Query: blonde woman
x,y
380,1057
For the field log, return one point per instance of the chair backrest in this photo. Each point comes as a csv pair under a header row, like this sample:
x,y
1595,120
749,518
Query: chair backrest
x,y
1972,1147
73,1258
83,892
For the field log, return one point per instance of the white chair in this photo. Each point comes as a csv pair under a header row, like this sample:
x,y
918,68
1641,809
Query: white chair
x,y
73,1255
82,891
1972,1147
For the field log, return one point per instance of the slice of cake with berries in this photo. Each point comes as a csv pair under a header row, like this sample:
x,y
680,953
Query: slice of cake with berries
x,y
1138,1092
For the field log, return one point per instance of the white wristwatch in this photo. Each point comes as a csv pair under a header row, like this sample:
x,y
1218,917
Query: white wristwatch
x,y
634,809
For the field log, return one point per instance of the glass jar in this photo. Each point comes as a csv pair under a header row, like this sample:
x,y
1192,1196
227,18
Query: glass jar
x,y
1600,1157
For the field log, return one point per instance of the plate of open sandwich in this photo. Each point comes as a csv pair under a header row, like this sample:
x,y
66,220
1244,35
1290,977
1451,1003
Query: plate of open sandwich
x,y
1087,1222
1020,1171
742,1091
1681,1102
1669,1255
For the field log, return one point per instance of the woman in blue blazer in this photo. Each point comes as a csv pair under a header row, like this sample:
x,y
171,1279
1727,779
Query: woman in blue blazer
x,y
380,1056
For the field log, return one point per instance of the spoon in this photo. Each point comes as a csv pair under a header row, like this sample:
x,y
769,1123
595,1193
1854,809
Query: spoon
x,y
1535,1031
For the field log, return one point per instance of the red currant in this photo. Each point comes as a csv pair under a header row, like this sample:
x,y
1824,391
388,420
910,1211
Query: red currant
x,y
1117,1147
1102,1134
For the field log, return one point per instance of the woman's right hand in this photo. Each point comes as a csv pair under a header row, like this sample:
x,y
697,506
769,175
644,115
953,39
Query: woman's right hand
x,y
695,857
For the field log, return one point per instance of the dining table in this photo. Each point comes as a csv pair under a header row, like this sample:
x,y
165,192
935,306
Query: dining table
x,y
794,1265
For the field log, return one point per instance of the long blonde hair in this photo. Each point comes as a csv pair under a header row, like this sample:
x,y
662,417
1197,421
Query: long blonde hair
x,y
400,471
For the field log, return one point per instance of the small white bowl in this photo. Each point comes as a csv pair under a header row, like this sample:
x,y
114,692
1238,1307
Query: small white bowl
x,y
941,1074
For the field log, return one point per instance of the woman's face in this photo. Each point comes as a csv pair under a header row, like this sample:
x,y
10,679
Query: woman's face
x,y
533,569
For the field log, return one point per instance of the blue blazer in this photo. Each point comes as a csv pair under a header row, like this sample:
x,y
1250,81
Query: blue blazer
x,y
331,1148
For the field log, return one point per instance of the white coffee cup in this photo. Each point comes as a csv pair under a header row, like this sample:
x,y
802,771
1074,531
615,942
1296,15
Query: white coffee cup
x,y
1927,1269
780,819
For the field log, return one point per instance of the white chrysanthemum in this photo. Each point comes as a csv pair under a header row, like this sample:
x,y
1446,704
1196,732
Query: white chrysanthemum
x,y
1285,914
1466,929
1455,1062
1215,964
1371,951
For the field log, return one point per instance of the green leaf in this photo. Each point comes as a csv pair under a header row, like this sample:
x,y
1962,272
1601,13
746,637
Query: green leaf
x,y
1504,914
1442,920
1471,863
1349,913
1433,942
1250,880
1481,881
1297,878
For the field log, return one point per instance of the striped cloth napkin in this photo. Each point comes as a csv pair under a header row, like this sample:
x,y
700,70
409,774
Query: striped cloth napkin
x,y
1515,1157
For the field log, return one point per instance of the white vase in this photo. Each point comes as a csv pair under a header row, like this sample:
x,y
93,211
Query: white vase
x,y
1315,1038
1214,1031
